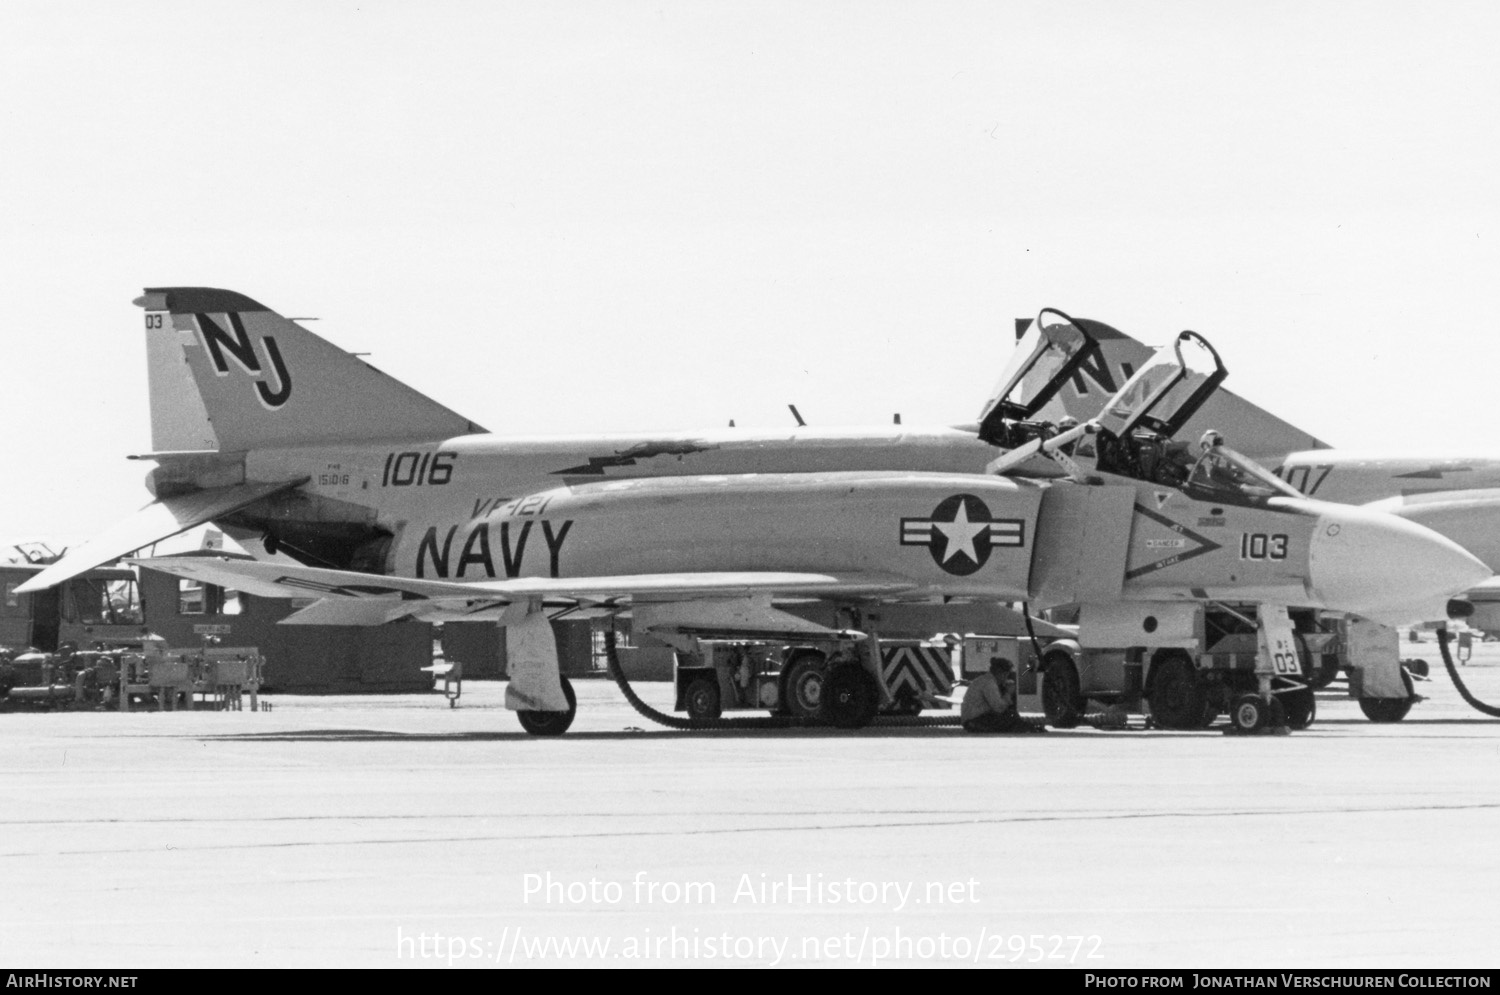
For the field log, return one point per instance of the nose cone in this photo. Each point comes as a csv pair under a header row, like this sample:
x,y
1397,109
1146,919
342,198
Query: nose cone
x,y
1386,568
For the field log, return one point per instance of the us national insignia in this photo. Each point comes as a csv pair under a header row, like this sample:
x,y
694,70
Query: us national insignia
x,y
960,533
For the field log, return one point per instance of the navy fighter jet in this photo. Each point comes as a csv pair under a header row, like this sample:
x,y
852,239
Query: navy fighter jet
x,y
388,505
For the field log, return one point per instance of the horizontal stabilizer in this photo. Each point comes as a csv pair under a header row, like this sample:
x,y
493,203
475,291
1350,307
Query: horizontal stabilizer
x,y
158,520
416,596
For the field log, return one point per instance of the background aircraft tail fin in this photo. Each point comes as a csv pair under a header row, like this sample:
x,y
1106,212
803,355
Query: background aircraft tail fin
x,y
253,378
1249,428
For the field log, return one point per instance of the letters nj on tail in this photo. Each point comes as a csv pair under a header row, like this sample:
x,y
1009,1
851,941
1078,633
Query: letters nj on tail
x,y
227,373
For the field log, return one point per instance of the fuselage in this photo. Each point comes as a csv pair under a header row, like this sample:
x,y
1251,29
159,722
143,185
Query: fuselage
x,y
356,498
472,475
906,502
1360,477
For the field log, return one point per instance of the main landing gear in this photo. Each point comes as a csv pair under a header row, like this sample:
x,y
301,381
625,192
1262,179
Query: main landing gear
x,y
540,723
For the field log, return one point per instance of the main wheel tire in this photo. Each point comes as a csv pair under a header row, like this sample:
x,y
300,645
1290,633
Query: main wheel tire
x,y
1249,713
805,686
1178,699
701,699
540,723
1390,709
1060,695
850,697
1301,707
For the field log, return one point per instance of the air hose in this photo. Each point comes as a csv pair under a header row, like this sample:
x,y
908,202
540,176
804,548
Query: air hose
x,y
1463,691
1036,644
762,722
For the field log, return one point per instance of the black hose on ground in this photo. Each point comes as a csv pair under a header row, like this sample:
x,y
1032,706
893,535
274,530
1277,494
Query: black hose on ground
x,y
1463,691
1036,644
612,660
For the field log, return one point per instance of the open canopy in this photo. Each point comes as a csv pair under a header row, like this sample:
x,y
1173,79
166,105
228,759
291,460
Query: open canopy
x,y
1048,355
1167,391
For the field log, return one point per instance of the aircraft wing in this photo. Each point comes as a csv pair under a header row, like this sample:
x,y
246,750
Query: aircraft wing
x,y
350,598
158,520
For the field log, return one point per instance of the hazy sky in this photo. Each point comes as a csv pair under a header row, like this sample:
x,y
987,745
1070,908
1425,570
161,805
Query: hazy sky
x,y
576,217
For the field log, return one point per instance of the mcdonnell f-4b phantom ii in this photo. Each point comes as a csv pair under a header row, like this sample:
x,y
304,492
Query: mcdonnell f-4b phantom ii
x,y
381,504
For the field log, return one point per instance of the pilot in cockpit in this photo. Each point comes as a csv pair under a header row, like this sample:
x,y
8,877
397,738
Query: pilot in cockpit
x,y
1218,474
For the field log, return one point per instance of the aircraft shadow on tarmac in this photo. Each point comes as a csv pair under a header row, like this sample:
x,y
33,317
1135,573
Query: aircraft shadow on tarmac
x,y
907,732
381,736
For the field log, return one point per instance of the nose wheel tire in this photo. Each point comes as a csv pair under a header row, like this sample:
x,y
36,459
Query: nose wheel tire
x,y
1249,713
1252,713
1275,714
1301,707
540,723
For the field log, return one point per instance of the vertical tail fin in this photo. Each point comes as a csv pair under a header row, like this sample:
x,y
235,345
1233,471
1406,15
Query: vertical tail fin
x,y
252,378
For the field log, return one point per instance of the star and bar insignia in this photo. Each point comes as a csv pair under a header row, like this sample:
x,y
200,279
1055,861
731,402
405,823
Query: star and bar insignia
x,y
960,533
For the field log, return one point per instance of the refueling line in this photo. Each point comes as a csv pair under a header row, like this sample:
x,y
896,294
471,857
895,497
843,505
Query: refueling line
x,y
1463,691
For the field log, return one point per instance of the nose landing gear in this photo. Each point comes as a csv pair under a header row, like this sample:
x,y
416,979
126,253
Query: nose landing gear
x,y
1255,713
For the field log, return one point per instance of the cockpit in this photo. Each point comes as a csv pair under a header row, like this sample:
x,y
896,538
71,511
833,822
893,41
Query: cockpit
x,y
1221,474
1134,434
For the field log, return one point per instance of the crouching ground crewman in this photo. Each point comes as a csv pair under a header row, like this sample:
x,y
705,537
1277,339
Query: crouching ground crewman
x,y
990,703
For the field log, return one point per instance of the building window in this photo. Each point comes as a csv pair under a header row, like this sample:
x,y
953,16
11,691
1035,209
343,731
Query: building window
x,y
192,597
122,602
102,601
197,598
